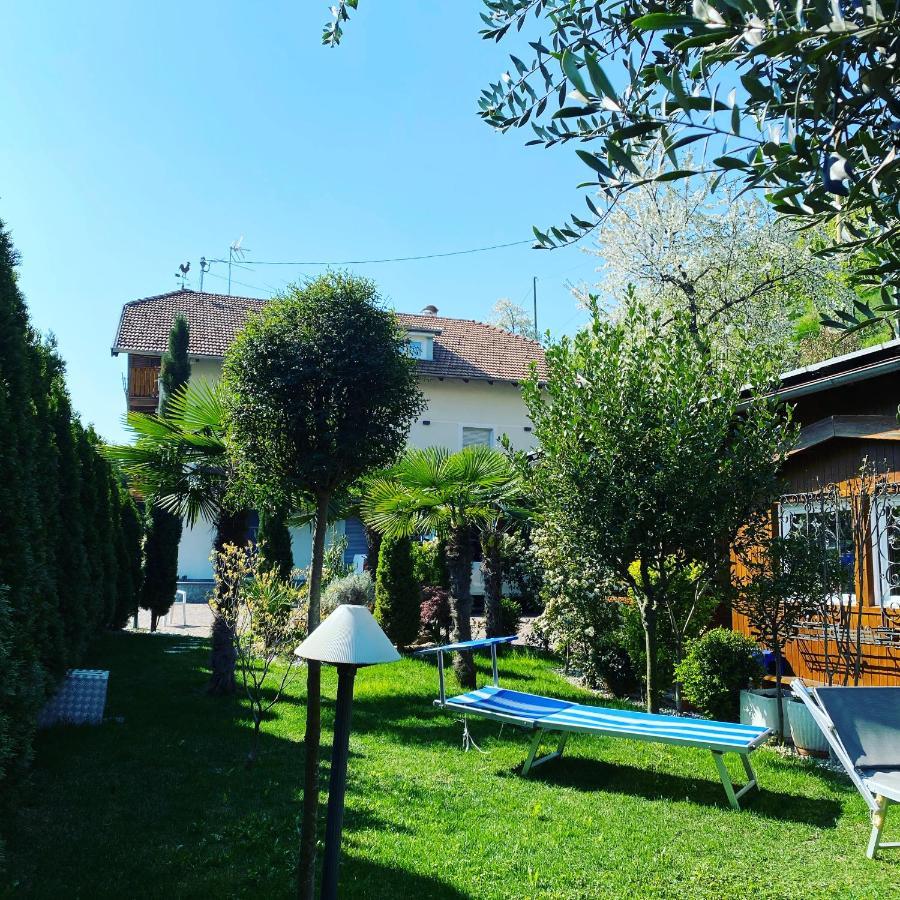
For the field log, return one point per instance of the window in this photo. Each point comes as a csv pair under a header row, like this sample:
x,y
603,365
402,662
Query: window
x,y
886,550
472,436
834,527
420,345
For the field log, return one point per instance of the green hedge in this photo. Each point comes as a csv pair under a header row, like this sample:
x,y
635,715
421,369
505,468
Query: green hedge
x,y
71,536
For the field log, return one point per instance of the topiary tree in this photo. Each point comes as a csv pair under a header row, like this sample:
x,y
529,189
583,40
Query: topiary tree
x,y
321,390
786,578
651,454
397,596
717,667
163,528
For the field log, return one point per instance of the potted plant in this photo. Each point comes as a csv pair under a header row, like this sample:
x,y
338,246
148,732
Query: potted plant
x,y
785,577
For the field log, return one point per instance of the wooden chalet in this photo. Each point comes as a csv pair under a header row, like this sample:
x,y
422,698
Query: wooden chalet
x,y
847,409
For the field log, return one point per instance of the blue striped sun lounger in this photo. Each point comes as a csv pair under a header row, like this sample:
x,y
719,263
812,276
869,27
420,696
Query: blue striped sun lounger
x,y
540,715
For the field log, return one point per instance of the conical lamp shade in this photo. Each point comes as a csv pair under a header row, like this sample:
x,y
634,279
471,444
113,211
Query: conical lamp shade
x,y
350,636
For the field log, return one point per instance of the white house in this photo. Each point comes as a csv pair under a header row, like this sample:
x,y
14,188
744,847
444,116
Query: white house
x,y
469,372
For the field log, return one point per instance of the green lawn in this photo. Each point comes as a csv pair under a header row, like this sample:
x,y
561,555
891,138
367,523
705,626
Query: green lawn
x,y
159,803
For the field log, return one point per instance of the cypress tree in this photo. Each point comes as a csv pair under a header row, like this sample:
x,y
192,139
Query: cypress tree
x,y
274,542
128,553
19,516
397,597
50,633
163,529
73,576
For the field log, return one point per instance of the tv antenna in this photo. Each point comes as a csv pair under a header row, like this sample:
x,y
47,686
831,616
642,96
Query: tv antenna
x,y
204,268
183,269
235,252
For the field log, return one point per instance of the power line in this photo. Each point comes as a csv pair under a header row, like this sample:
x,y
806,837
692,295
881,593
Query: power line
x,y
361,262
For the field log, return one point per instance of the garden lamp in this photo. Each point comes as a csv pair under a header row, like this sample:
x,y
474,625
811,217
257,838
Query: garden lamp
x,y
348,638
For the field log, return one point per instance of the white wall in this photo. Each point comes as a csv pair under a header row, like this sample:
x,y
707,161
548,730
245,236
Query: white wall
x,y
452,403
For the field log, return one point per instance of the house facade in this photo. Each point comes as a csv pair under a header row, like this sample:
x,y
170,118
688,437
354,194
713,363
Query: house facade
x,y
847,411
470,374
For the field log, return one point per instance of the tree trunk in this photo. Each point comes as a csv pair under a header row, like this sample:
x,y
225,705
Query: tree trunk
x,y
154,619
459,561
373,548
492,568
649,616
306,869
231,528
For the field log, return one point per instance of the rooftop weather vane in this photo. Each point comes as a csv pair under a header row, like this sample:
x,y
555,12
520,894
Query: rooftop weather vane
x,y
183,269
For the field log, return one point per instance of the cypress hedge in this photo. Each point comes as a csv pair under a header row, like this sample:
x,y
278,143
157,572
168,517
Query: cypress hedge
x,y
71,538
397,594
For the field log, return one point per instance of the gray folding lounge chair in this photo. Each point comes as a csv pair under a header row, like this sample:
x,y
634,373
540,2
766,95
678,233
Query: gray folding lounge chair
x,y
862,725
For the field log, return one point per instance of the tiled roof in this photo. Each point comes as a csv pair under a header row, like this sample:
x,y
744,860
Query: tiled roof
x,y
463,348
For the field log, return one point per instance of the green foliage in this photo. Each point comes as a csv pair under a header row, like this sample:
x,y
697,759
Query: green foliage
x,y
320,389
435,491
160,575
175,366
580,621
786,579
60,519
397,595
639,463
688,602
266,619
274,542
355,589
717,667
128,557
163,527
430,563
510,616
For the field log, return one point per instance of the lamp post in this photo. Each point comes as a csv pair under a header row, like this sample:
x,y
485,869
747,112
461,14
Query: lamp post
x,y
349,639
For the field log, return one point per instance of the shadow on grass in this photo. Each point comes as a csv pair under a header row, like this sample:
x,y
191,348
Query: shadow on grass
x,y
364,878
595,775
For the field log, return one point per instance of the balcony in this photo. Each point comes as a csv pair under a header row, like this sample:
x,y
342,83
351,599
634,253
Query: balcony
x,y
143,385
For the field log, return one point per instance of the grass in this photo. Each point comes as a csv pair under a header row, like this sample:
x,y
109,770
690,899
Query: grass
x,y
156,802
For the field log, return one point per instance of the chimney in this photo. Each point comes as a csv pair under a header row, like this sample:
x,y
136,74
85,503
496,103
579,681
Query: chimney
x,y
430,310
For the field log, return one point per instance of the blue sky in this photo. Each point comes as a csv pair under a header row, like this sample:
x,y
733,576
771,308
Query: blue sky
x,y
140,135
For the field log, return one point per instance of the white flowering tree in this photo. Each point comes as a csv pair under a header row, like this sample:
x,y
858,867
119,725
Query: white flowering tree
x,y
727,262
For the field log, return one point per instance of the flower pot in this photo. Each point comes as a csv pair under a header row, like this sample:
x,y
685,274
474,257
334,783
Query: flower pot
x,y
760,707
806,734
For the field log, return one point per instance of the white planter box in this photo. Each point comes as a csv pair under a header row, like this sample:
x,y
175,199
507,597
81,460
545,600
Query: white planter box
x,y
760,707
806,734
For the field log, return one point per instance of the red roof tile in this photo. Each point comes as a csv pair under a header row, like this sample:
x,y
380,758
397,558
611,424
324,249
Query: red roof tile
x,y
463,348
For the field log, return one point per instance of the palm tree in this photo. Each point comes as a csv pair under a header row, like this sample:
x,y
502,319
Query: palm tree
x,y
434,491
179,462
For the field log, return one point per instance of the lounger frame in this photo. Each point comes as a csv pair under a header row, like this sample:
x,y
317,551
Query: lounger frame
x,y
877,803
541,730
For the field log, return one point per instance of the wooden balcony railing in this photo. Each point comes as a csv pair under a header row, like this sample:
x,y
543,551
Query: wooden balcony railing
x,y
143,382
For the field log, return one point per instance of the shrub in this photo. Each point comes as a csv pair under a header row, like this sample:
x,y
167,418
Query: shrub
x,y
356,589
397,596
430,564
510,616
716,668
579,620
434,614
